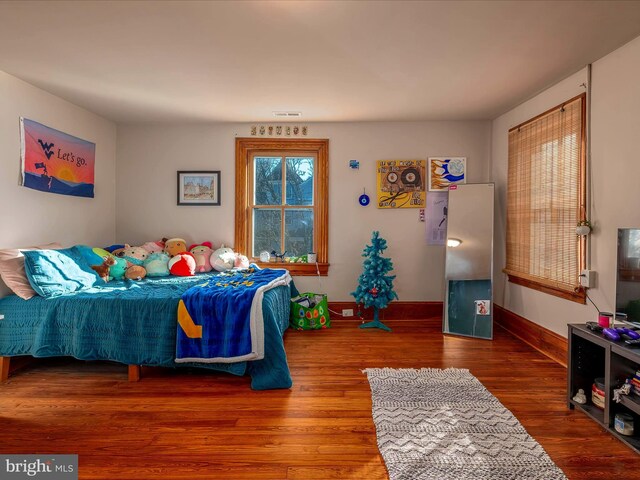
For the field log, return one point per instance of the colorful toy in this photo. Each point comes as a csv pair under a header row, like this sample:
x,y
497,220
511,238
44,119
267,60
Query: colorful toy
x,y
202,254
93,256
114,247
278,256
223,259
135,272
103,269
133,255
118,270
156,264
174,246
154,247
241,261
182,265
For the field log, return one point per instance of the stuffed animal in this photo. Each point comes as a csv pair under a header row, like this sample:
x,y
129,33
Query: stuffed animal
x,y
133,255
154,247
118,270
112,248
182,265
103,270
223,259
202,254
156,264
241,261
174,246
135,272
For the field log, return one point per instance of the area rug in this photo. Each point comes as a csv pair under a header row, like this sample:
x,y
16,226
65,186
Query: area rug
x,y
445,425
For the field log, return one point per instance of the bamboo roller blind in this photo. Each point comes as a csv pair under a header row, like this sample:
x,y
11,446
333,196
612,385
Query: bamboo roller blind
x,y
546,196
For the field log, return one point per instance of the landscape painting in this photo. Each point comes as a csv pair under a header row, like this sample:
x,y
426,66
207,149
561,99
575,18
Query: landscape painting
x,y
56,162
199,188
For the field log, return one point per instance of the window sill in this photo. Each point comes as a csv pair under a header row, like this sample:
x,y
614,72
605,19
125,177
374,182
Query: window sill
x,y
298,269
578,296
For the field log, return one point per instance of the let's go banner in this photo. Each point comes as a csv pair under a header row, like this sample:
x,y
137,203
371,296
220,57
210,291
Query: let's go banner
x,y
56,162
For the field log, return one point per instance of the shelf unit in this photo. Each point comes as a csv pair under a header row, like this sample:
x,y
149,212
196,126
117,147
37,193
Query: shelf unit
x,y
592,356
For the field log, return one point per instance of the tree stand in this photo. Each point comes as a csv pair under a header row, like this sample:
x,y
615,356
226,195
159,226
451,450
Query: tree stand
x,y
375,323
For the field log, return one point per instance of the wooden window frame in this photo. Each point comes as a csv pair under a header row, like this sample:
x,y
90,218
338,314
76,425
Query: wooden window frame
x,y
246,148
579,294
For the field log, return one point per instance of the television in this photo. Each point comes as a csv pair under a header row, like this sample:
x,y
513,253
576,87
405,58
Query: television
x,y
628,275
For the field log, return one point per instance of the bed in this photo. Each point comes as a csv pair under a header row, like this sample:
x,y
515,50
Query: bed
x,y
133,323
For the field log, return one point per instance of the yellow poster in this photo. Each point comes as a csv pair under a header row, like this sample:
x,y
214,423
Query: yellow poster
x,y
400,183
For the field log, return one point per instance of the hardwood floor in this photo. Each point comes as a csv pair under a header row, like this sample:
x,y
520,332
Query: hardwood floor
x,y
188,425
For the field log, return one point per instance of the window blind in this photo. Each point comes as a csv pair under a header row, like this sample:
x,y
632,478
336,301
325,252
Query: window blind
x,y
546,197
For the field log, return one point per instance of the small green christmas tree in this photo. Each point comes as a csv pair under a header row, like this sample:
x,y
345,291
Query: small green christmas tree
x,y
375,287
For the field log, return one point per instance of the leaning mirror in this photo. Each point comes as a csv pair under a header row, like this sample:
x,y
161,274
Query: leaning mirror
x,y
468,305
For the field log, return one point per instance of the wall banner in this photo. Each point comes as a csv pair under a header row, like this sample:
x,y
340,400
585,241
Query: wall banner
x,y
56,162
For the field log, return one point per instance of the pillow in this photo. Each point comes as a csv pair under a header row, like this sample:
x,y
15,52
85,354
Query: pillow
x,y
12,270
92,256
55,272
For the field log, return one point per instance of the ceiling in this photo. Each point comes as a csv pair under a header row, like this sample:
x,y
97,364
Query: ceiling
x,y
139,61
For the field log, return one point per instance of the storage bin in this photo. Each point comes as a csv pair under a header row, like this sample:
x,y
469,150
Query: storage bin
x,y
309,311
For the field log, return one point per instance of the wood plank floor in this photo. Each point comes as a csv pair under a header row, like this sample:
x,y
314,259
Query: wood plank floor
x,y
190,425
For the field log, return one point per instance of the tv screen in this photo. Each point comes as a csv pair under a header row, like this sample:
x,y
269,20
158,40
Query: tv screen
x,y
628,274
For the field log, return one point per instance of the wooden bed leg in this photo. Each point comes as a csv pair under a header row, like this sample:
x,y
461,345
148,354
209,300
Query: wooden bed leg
x,y
134,373
4,368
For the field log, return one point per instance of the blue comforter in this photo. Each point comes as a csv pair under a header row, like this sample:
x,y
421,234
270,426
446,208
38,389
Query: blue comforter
x,y
132,323
220,320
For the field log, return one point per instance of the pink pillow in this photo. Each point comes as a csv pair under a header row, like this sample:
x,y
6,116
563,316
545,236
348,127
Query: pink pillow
x,y
12,269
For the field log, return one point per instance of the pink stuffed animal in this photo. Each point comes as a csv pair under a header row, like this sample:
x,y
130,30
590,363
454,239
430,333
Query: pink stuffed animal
x,y
154,247
202,254
241,261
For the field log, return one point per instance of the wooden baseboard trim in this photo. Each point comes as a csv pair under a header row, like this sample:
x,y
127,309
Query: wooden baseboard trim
x,y
395,310
545,341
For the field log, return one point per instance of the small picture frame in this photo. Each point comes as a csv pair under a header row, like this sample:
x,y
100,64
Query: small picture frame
x,y
199,188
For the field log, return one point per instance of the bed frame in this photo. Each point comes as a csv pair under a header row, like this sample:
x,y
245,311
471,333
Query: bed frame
x,y
135,371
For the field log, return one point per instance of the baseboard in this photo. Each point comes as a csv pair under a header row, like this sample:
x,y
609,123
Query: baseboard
x,y
395,310
545,341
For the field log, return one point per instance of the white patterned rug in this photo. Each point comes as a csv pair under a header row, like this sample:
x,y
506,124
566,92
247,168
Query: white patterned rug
x,y
445,425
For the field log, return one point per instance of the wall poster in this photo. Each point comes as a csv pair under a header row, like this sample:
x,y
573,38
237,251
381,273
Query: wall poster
x,y
436,218
400,183
56,162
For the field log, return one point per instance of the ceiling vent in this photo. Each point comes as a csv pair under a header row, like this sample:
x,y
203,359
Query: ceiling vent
x,y
287,114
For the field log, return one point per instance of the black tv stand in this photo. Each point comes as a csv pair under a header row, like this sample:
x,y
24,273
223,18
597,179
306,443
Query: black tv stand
x,y
592,356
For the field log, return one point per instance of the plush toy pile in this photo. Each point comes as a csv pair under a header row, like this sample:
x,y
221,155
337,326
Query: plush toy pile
x,y
169,256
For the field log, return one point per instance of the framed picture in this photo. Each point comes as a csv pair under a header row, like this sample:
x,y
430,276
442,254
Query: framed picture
x,y
199,188
400,184
446,171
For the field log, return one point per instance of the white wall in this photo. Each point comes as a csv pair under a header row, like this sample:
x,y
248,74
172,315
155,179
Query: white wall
x,y
615,174
149,156
31,217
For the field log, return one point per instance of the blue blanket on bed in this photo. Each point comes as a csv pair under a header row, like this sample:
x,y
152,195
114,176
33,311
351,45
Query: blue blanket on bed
x,y
220,320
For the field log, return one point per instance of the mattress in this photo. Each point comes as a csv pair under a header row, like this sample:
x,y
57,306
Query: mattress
x,y
132,323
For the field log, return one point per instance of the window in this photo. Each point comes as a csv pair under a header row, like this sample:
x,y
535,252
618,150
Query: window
x,y
282,200
546,198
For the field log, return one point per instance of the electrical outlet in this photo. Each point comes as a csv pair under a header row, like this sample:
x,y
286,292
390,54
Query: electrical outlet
x,y
347,312
588,278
